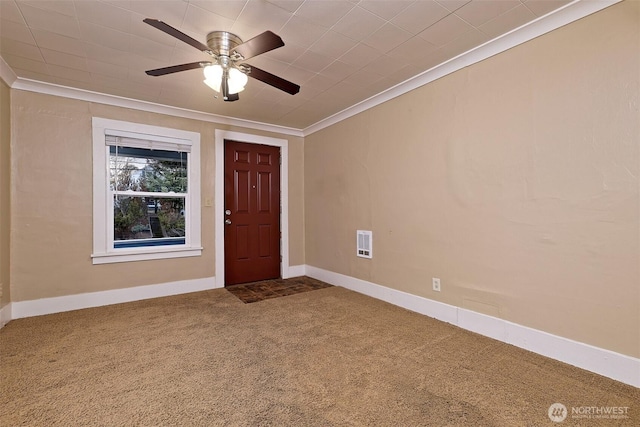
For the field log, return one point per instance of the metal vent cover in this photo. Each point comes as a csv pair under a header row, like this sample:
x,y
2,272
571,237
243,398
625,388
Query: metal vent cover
x,y
364,244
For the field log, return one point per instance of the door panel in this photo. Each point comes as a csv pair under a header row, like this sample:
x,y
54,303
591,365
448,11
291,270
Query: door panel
x,y
265,233
264,192
242,191
252,194
242,242
264,159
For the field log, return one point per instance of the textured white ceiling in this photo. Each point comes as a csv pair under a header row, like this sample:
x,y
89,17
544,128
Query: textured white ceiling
x,y
339,51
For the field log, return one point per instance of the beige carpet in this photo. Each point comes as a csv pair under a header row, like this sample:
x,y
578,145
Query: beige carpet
x,y
329,357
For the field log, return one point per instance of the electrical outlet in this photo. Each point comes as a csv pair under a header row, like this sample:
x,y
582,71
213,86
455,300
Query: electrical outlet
x,y
436,284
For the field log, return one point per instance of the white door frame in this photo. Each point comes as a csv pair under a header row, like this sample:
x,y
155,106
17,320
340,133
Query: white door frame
x,y
220,136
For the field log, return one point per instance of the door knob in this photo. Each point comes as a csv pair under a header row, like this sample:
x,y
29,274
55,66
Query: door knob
x,y
227,212
227,221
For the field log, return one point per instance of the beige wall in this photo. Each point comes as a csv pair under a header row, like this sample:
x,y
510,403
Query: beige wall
x,y
514,180
52,212
5,192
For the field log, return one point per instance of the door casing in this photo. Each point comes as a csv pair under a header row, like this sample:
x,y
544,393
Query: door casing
x,y
220,136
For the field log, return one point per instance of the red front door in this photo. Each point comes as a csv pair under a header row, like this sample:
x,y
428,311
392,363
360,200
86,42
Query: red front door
x,y
252,212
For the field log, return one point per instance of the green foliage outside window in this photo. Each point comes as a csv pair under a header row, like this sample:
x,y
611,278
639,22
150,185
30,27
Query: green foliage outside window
x,y
164,176
133,215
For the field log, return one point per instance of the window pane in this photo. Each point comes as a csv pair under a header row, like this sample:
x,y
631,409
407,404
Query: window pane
x,y
137,218
140,169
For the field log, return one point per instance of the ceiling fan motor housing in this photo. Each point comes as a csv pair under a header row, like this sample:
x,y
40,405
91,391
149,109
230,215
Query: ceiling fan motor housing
x,y
222,43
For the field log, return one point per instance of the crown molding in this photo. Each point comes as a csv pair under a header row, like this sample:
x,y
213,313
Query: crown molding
x,y
6,73
119,101
565,15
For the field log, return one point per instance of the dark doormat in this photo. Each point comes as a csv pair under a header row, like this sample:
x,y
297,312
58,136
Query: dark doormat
x,y
268,289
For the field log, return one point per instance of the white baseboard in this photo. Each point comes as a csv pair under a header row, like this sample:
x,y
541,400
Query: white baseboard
x,y
42,306
294,271
5,315
20,309
604,362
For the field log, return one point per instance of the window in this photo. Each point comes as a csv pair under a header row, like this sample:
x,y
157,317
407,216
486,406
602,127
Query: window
x,y
146,199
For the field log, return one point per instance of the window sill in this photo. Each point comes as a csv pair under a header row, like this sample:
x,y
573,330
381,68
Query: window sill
x,y
132,255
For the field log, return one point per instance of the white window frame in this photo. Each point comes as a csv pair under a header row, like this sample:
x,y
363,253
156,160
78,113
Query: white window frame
x,y
103,247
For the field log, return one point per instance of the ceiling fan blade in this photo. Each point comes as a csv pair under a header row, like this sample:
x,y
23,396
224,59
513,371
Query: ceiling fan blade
x,y
259,44
177,68
273,80
177,34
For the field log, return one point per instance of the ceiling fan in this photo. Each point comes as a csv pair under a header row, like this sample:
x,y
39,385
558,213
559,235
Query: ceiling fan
x,y
226,73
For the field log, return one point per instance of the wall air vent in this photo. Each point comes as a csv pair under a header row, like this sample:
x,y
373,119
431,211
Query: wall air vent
x,y
364,243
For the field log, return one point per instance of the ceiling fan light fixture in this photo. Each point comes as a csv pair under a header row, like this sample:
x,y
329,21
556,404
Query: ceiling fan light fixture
x,y
213,78
237,80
